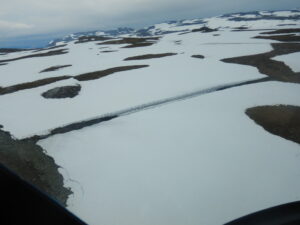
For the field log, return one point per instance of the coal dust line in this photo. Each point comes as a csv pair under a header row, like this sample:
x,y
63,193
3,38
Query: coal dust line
x,y
109,116
189,95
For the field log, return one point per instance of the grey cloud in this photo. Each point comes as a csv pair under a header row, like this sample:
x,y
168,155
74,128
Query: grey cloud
x,y
49,16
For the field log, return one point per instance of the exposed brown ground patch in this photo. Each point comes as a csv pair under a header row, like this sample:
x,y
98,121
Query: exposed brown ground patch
x,y
29,85
50,48
62,92
132,42
103,73
150,56
138,45
49,53
204,30
108,51
290,24
30,162
54,68
241,28
198,56
85,39
285,38
283,31
10,50
82,77
274,69
281,120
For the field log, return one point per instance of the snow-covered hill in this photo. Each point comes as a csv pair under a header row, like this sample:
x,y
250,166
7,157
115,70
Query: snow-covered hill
x,y
251,20
150,126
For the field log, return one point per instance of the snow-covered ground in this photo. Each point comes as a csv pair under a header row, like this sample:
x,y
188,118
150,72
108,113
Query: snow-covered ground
x,y
292,60
127,89
199,160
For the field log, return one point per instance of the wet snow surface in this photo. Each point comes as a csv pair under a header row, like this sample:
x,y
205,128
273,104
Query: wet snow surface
x,y
180,148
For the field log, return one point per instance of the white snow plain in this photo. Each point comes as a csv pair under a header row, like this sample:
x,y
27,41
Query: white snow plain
x,y
196,161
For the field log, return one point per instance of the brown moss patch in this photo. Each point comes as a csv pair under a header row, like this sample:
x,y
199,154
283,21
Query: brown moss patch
x,y
82,77
84,39
10,50
274,69
49,53
204,30
132,42
29,85
281,120
54,68
138,45
70,127
62,92
284,38
108,51
283,31
241,28
49,48
150,56
198,56
103,73
30,162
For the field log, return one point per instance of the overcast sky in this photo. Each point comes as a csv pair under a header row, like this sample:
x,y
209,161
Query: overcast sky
x,y
31,17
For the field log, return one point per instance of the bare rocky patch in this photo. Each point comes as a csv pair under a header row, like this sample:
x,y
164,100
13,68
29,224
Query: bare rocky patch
x,y
29,85
283,31
49,53
29,161
50,48
103,73
82,77
275,69
283,38
108,51
62,92
54,68
138,45
85,39
11,50
281,120
149,56
70,127
283,25
204,30
241,28
198,56
132,42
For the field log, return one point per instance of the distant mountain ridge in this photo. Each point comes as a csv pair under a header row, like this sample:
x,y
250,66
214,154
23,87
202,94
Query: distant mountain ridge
x,y
168,27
